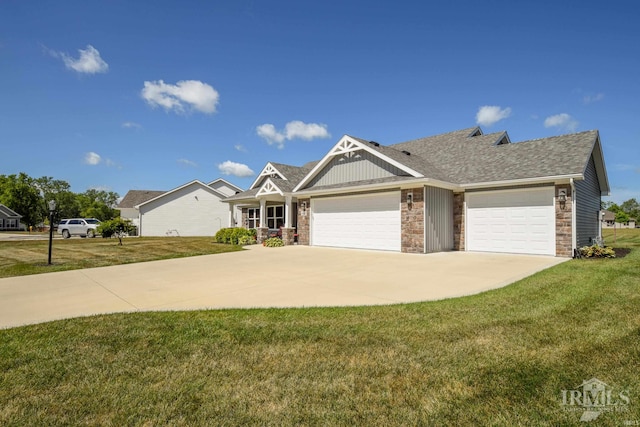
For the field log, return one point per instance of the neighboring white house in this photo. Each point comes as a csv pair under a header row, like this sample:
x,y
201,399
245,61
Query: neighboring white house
x,y
193,209
128,205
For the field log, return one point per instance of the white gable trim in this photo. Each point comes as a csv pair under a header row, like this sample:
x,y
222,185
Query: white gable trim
x,y
268,170
601,168
269,188
235,187
347,145
194,182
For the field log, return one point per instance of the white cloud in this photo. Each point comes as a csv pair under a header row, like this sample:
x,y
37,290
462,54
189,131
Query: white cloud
x,y
589,99
92,158
240,148
89,61
487,115
131,125
562,121
292,130
186,162
184,95
235,169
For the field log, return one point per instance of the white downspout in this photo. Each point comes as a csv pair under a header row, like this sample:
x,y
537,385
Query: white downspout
x,y
574,237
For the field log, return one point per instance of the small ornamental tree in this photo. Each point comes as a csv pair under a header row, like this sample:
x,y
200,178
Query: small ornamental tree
x,y
116,227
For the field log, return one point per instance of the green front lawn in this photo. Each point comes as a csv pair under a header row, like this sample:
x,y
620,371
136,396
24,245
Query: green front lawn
x,y
19,258
499,358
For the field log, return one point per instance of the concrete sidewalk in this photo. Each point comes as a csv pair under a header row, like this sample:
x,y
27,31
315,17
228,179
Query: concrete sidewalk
x,y
292,276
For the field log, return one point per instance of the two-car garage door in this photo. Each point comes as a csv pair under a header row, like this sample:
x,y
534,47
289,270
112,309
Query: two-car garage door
x,y
369,221
514,221
511,221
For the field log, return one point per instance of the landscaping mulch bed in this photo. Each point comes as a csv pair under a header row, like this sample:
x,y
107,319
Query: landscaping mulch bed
x,y
621,252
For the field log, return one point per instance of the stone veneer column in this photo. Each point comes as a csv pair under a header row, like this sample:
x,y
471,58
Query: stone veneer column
x,y
412,221
288,235
304,216
564,227
458,222
262,234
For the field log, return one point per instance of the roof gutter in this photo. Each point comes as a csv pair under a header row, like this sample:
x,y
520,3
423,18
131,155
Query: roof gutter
x,y
522,181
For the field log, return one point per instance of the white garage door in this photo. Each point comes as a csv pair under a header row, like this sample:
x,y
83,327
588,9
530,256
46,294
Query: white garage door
x,y
518,221
361,222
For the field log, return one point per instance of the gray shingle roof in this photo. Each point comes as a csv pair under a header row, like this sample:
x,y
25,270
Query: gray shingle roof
x,y
477,159
462,159
135,197
8,212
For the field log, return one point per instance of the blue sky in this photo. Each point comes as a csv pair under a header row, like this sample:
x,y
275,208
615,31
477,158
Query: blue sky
x,y
122,95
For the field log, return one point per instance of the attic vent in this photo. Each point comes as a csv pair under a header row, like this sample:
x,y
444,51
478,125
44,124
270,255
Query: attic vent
x,y
406,152
375,144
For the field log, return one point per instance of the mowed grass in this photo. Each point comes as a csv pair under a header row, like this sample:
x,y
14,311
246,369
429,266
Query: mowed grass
x,y
18,258
499,358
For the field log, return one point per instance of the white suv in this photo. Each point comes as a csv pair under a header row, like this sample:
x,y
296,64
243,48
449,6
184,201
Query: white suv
x,y
83,227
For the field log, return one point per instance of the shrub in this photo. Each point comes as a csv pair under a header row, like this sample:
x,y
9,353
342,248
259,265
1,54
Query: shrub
x,y
246,240
597,251
116,227
273,242
232,235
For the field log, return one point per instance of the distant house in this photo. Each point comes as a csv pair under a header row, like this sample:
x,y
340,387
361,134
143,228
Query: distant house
x,y
9,219
192,209
133,198
609,221
463,190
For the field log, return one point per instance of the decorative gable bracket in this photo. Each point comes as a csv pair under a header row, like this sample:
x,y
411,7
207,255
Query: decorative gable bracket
x,y
344,146
269,188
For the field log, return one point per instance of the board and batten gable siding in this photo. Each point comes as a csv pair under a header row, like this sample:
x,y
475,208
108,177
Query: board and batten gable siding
x,y
189,211
355,166
438,219
588,206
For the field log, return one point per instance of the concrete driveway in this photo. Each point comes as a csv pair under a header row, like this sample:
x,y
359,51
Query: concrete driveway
x,y
292,276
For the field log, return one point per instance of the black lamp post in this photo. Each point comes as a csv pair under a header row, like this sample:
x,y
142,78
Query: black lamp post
x,y
52,209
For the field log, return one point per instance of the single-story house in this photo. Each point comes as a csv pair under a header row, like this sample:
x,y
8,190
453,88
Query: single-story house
x,y
9,219
193,209
463,190
609,221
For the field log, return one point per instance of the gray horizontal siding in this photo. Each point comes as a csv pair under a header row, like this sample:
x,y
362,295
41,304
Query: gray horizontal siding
x,y
587,206
360,166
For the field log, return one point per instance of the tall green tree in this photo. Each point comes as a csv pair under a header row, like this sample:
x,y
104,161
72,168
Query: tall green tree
x,y
632,208
67,205
20,193
98,204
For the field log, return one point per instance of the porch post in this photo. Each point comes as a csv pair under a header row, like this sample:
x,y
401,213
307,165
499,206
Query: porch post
x,y
262,230
288,232
263,213
288,210
232,208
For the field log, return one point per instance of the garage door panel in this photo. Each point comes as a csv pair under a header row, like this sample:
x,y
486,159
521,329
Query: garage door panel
x,y
361,222
512,221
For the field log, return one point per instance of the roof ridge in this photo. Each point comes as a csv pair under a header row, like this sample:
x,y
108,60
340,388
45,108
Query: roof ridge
x,y
558,136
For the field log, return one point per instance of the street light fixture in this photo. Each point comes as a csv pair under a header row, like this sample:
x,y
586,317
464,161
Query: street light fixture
x,y
52,209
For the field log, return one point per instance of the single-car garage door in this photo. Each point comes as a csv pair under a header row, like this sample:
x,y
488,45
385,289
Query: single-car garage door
x,y
514,221
363,222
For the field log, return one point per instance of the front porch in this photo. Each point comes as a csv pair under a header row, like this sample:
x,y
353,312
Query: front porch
x,y
271,215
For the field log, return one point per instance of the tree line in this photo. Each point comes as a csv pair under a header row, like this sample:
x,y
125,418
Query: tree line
x,y
30,198
625,211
